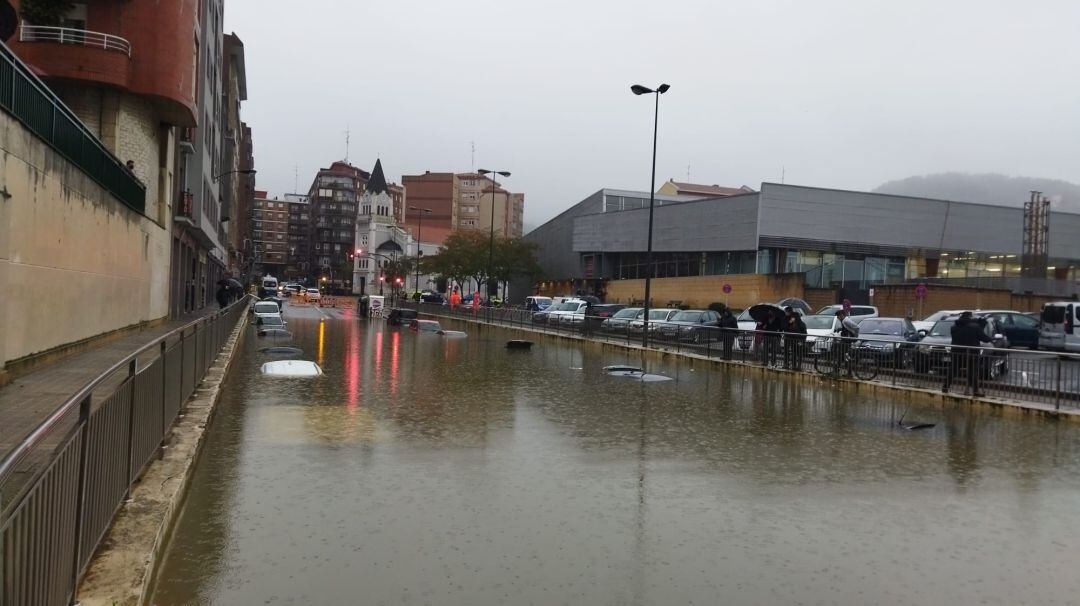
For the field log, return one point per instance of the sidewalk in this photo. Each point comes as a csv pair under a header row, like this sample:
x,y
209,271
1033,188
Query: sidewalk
x,y
30,399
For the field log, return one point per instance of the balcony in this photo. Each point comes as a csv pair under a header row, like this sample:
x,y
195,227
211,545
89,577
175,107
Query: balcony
x,y
187,140
67,35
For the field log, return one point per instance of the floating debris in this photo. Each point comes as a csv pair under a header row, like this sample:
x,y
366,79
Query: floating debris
x,y
291,368
518,344
622,368
452,333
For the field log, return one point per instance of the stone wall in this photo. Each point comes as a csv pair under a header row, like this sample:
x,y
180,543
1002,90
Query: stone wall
x,y
74,262
699,291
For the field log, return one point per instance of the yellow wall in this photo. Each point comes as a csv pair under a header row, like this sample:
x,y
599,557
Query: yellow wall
x,y
699,291
74,262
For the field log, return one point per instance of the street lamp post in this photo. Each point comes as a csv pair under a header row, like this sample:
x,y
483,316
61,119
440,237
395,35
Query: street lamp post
x,y
638,89
419,225
249,171
491,242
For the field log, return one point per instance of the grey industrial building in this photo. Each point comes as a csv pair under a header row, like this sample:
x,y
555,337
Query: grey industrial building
x,y
838,239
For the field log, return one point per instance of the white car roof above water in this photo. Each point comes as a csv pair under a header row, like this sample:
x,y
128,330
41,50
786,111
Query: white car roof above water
x,y
291,368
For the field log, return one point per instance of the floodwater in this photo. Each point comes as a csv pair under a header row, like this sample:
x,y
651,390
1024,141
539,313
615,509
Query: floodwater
x,y
426,470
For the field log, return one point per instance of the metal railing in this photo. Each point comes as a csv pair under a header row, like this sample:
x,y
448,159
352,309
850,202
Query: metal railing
x,y
68,35
62,484
30,101
1042,377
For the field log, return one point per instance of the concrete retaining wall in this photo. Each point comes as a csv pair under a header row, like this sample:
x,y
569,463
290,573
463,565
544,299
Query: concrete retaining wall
x,y
74,262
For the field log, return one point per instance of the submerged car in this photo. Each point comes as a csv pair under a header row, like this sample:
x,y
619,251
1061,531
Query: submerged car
x,y
401,316
425,326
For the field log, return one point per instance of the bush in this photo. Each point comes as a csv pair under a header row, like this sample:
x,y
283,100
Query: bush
x,y
416,296
717,307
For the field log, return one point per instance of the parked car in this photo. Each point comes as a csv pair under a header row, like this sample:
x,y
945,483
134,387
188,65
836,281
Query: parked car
x,y
656,317
401,316
928,322
820,332
566,308
541,317
1019,328
747,325
430,296
858,312
537,303
891,339
599,313
934,352
693,325
621,319
1059,326
312,294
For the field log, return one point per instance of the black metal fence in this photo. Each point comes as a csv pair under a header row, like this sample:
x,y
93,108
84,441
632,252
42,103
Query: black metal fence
x,y
30,101
1048,378
62,485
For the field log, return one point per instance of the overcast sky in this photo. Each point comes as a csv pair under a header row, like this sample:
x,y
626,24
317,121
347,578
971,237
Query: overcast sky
x,y
838,94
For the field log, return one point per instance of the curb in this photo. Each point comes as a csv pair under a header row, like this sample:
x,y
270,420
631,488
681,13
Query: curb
x,y
121,573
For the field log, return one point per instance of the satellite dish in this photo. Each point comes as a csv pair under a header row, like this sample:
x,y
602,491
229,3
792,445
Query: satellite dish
x,y
9,20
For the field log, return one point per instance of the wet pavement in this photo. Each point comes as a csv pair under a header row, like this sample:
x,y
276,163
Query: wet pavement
x,y
427,470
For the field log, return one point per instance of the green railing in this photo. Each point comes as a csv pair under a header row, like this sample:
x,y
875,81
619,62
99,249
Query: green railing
x,y
31,102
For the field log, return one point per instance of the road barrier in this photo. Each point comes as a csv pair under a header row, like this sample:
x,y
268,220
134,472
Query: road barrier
x,y
1047,378
62,484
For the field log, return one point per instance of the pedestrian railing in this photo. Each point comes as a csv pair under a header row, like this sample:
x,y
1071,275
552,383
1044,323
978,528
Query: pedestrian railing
x,y
1042,377
62,484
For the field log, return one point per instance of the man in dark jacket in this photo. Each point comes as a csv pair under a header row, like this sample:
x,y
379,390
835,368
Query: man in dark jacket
x,y
794,338
967,333
774,327
729,327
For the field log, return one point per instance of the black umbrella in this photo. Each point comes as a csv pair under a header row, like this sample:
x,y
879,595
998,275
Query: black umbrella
x,y
760,312
233,282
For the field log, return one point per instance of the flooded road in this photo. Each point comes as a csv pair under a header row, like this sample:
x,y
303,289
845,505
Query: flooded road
x,y
426,470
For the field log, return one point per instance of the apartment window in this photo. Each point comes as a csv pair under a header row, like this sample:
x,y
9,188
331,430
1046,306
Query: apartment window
x,y
325,193
258,225
337,248
280,236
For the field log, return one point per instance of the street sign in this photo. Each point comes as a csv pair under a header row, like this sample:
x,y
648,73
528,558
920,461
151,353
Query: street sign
x,y
871,292
920,291
727,289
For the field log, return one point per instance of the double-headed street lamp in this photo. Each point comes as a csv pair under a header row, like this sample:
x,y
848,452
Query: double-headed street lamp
x,y
246,171
638,89
491,243
419,225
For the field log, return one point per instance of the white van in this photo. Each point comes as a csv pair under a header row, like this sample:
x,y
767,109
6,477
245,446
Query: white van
x,y
1060,321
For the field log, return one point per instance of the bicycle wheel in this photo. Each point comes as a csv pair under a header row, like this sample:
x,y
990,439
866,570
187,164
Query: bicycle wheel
x,y
865,366
827,364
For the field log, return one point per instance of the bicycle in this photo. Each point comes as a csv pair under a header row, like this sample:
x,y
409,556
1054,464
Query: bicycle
x,y
863,365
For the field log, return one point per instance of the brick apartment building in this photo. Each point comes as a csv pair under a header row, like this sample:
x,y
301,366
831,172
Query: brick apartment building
x,y
333,198
269,233
463,201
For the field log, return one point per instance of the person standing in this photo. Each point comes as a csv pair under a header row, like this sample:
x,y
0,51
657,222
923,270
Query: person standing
x,y
849,331
586,321
969,334
729,327
455,299
476,302
794,338
222,296
774,328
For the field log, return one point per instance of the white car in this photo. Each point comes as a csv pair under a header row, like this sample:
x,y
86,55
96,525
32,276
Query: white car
x,y
264,309
656,317
821,332
566,308
312,294
927,323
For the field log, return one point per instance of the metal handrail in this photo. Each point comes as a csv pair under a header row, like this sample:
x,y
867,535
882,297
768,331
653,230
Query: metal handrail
x,y
68,35
34,437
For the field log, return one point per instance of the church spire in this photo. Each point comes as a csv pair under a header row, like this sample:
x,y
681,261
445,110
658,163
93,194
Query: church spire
x,y
377,182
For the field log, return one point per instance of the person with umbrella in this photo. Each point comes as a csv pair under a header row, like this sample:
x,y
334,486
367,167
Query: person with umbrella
x,y
849,331
770,325
794,338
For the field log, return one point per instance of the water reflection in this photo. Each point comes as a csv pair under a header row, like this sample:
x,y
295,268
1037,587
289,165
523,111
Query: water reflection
x,y
421,469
